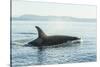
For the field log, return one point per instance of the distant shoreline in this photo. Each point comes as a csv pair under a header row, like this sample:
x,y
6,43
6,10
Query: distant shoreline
x,y
51,18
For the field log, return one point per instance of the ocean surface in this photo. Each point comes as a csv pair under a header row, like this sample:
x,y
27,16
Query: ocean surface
x,y
25,31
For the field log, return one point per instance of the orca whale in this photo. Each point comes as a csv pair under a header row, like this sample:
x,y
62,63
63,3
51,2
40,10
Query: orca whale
x,y
44,40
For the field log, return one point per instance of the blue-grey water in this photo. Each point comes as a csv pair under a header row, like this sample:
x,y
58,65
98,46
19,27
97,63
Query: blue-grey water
x,y
24,32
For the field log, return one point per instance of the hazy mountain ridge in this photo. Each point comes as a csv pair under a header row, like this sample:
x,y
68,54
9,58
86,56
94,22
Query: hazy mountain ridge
x,y
51,18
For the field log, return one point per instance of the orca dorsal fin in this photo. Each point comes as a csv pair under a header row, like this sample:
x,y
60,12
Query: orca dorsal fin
x,y
41,34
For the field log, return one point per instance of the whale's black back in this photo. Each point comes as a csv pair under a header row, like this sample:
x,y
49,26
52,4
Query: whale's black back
x,y
53,40
44,40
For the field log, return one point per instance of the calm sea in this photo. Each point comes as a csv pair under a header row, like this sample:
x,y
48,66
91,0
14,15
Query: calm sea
x,y
25,31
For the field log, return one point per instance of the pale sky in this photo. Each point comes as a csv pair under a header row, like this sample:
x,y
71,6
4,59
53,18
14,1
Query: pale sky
x,y
20,7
